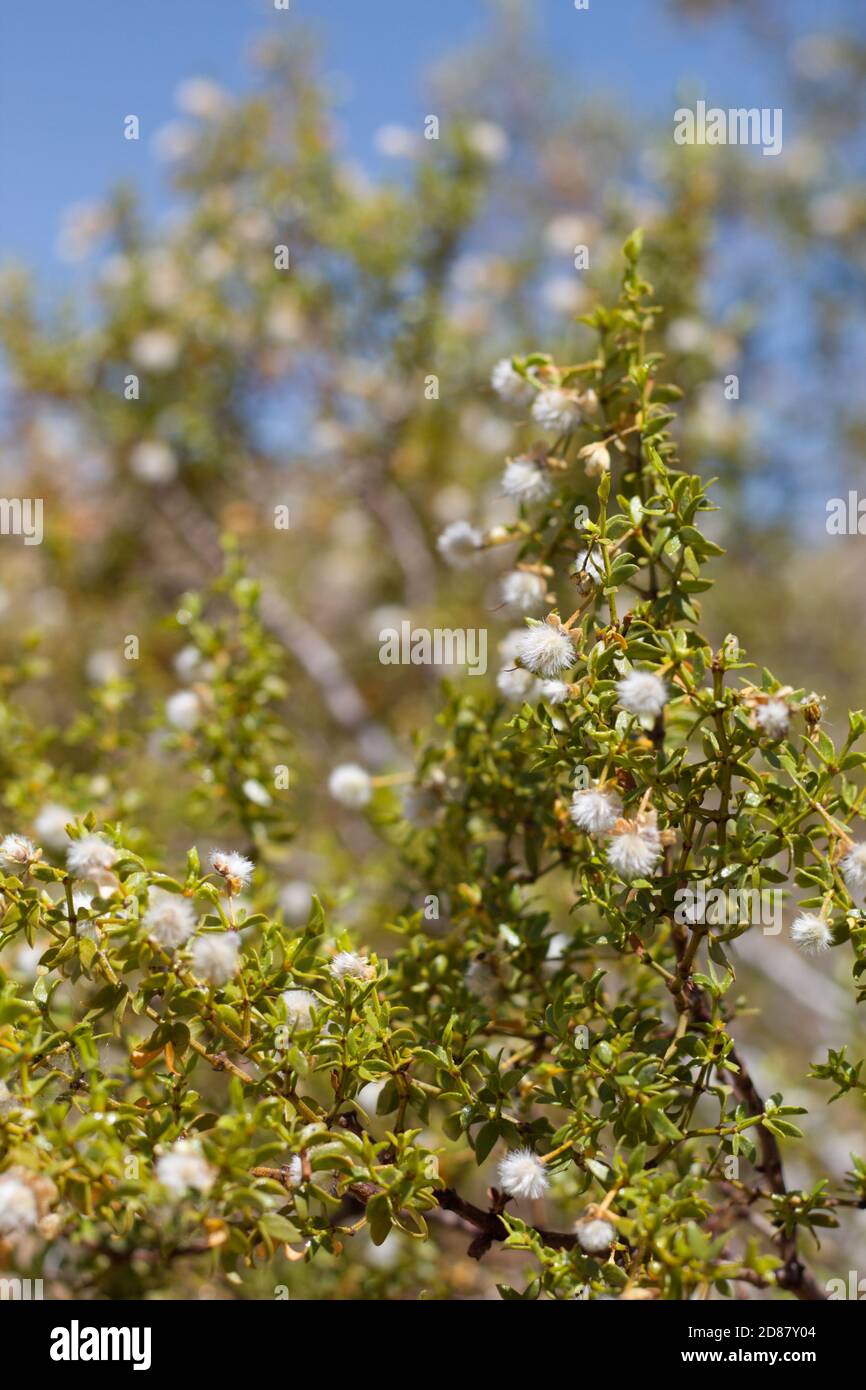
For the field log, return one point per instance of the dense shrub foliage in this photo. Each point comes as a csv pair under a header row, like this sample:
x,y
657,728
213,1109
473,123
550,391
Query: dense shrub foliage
x,y
198,1085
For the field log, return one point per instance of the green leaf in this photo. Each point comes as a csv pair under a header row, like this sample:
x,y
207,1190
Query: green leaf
x,y
278,1227
379,1218
485,1140
664,1127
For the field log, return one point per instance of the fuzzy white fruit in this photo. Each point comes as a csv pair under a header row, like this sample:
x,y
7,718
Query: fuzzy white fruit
x,y
595,811
16,852
557,410
50,825
642,693
853,868
811,933
184,1169
351,785
525,481
19,1210
459,543
521,1174
523,591
348,965
92,858
170,919
183,710
509,385
235,868
773,718
300,1004
634,848
515,684
547,651
595,1236
215,957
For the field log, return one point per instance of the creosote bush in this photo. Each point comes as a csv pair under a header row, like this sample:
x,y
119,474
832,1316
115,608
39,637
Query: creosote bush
x,y
189,1080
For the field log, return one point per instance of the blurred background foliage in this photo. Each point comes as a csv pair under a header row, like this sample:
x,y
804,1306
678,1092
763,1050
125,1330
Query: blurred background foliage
x,y
309,388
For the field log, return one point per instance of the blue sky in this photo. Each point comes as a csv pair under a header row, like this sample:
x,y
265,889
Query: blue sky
x,y
69,73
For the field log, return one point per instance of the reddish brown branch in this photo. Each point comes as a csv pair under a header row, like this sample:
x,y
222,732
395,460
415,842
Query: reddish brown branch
x,y
793,1275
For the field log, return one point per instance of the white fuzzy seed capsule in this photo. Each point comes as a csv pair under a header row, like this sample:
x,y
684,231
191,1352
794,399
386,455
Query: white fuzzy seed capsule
x,y
509,385
50,825
17,852
187,662
350,965
853,868
152,461
595,811
635,847
555,692
811,933
183,1169
642,693
521,1174
513,683
525,482
458,544
523,591
294,1171
773,718
594,1235
588,569
91,858
351,785
488,140
509,647
546,651
183,710
156,350
596,460
557,410
235,868
19,1210
215,958
300,1004
198,96
169,919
